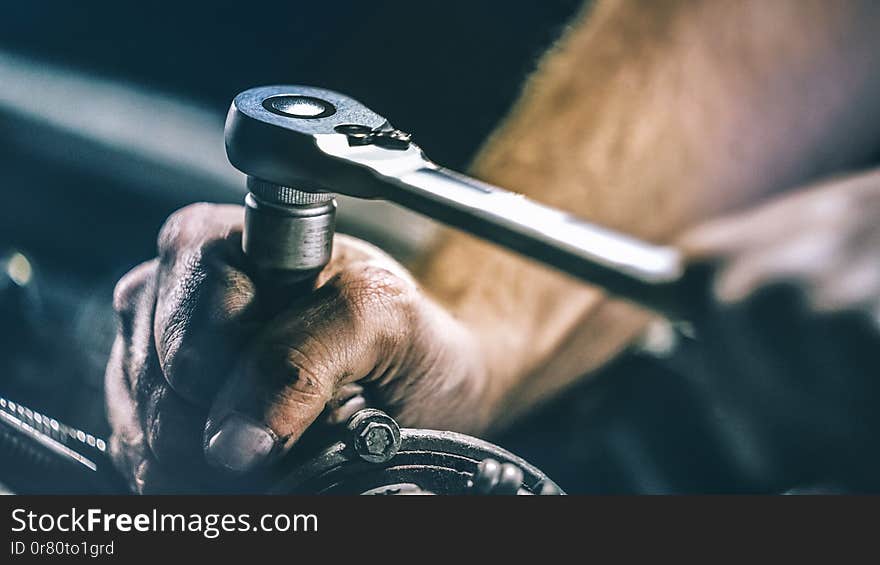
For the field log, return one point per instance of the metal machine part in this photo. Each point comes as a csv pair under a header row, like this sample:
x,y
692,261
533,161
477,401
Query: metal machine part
x,y
373,456
377,457
287,229
46,456
321,141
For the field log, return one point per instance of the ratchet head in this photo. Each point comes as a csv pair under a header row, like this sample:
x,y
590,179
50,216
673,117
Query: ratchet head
x,y
315,140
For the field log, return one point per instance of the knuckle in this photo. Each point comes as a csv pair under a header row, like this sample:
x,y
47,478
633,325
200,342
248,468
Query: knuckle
x,y
306,384
182,225
367,287
290,374
201,228
382,303
232,296
130,288
308,365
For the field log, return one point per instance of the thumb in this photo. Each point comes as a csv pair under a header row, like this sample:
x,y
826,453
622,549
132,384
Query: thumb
x,y
284,380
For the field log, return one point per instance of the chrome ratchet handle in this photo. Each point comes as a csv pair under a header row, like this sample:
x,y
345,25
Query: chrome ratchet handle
x,y
317,140
629,267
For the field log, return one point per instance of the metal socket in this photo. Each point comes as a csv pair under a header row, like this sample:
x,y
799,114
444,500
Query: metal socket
x,y
286,237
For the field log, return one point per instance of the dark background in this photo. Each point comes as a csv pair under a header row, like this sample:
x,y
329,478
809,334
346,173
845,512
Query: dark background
x,y
84,210
447,70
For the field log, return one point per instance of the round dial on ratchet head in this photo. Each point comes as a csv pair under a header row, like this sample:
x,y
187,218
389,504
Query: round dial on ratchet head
x,y
271,134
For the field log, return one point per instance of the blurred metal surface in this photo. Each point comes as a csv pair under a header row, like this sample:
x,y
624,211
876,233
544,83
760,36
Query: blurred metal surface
x,y
45,456
372,454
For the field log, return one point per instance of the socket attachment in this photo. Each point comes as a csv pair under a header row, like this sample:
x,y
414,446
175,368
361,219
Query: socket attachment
x,y
286,229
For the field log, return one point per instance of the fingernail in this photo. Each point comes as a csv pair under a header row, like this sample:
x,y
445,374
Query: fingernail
x,y
240,445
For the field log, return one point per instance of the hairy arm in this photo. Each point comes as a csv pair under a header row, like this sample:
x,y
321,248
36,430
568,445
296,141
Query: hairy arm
x,y
648,117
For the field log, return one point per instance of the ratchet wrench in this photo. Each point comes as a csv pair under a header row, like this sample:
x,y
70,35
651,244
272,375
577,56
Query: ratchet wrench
x,y
311,140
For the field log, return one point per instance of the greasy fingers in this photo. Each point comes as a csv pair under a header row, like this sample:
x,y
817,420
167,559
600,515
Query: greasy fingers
x,y
211,371
205,301
181,319
354,327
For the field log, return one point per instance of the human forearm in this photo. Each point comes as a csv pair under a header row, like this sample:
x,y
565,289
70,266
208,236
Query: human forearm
x,y
647,118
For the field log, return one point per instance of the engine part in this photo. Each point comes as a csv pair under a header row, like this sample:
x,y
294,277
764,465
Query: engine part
x,y
411,461
372,456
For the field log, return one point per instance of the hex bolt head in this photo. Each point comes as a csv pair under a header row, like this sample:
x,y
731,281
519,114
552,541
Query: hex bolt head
x,y
374,435
376,439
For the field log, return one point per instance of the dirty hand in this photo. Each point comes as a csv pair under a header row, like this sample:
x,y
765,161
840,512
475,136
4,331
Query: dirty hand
x,y
207,373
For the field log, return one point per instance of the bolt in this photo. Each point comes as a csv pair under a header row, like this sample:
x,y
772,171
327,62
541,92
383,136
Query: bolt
x,y
376,436
376,439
